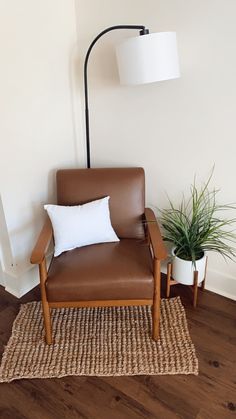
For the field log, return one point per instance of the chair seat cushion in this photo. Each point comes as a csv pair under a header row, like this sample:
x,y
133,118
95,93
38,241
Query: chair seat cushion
x,y
106,271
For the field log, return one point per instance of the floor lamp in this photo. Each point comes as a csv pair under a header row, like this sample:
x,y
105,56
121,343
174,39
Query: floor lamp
x,y
146,58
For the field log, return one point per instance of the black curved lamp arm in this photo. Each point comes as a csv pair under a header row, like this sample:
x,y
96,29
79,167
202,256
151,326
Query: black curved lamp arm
x,y
143,31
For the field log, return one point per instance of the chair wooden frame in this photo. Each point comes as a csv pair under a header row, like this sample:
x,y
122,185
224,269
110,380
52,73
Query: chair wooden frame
x,y
158,252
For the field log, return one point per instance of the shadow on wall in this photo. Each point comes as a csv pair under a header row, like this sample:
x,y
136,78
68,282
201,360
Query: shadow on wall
x,y
24,236
2,279
17,275
16,245
6,255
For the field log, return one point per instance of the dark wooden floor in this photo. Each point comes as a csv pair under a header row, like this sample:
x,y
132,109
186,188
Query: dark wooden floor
x,y
211,395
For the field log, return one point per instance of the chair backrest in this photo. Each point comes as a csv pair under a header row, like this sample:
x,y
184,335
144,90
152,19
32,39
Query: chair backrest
x,y
125,186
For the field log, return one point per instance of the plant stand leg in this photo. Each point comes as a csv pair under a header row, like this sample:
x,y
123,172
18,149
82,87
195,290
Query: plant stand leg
x,y
203,282
195,285
169,281
169,266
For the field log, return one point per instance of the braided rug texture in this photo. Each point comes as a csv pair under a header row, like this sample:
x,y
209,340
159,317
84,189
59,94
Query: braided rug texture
x,y
102,341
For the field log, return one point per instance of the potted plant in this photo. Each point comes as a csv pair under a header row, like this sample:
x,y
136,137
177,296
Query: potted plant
x,y
195,227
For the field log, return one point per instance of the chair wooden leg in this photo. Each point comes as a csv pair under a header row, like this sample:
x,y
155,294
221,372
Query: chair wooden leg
x,y
45,305
168,279
195,289
156,309
47,322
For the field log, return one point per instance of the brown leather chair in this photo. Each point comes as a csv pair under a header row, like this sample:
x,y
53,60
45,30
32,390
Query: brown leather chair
x,y
108,274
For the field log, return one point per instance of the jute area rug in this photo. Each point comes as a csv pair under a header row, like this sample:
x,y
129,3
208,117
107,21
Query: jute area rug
x,y
99,342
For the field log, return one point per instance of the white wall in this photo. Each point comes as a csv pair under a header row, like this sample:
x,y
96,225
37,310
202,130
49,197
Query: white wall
x,y
37,130
173,129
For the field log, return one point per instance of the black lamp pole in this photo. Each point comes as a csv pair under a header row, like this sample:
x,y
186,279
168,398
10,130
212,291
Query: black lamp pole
x,y
143,31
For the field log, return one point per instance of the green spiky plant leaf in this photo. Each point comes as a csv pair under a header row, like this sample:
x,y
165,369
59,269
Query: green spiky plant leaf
x,y
197,225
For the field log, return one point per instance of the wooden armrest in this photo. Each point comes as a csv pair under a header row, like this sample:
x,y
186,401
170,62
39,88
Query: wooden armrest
x,y
42,244
157,243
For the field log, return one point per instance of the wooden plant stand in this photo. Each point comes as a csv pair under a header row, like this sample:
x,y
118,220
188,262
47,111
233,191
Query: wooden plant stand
x,y
194,287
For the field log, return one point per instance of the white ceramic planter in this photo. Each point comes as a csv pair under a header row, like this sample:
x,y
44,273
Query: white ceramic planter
x,y
183,270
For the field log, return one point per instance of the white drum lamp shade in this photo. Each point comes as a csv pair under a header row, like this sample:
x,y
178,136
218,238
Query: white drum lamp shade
x,y
148,58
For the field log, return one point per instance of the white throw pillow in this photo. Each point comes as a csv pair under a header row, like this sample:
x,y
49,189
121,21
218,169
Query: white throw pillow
x,y
81,225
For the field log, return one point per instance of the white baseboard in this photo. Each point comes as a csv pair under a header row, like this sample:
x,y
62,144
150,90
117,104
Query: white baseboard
x,y
23,283
20,283
11,283
221,283
13,292
221,292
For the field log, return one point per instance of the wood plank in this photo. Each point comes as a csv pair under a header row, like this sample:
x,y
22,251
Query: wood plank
x,y
211,395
